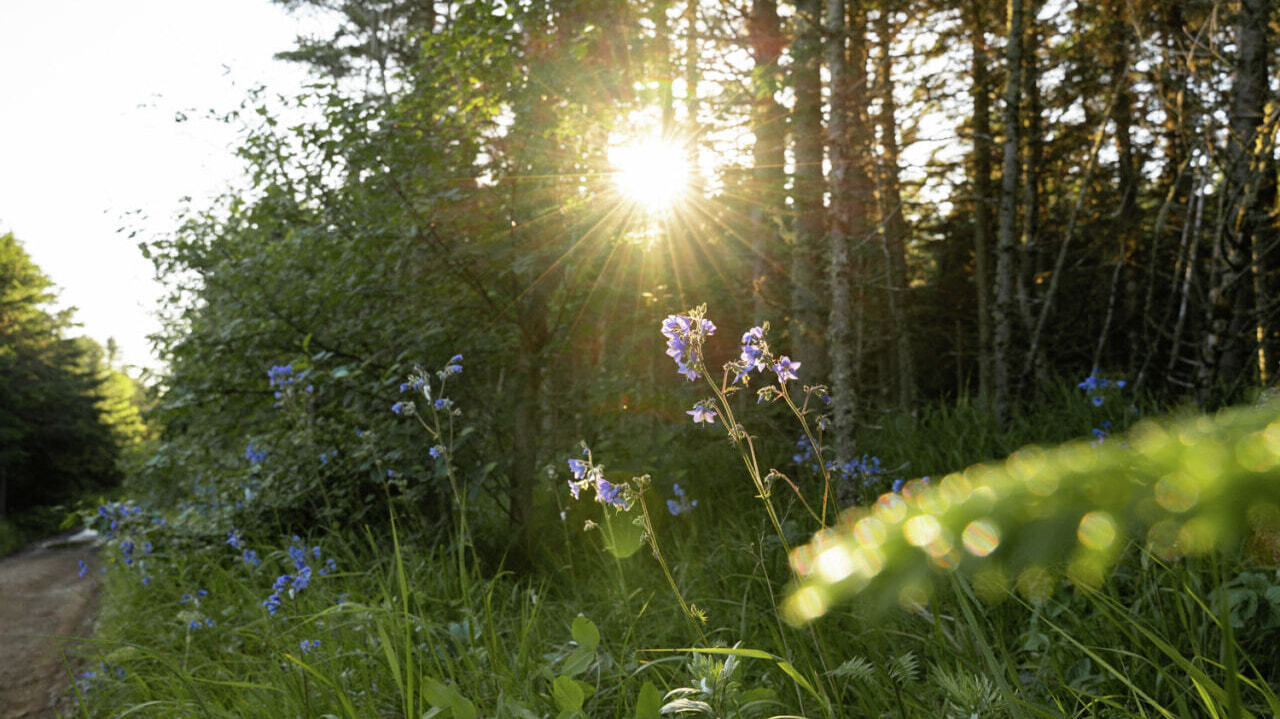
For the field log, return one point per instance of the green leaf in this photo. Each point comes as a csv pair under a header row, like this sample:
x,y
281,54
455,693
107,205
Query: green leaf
x,y
568,694
649,703
585,633
577,661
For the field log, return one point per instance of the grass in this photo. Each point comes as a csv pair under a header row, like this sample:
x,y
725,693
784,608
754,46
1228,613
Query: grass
x,y
408,628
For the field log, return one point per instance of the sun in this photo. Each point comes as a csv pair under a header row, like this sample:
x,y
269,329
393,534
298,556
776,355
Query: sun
x,y
653,173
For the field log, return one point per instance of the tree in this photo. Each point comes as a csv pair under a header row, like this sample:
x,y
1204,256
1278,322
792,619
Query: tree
x,y
55,442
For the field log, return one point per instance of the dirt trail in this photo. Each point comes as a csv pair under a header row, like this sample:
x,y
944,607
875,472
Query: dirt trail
x,y
42,598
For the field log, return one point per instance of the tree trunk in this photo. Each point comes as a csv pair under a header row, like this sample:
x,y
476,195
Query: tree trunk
x,y
982,193
1231,344
840,279
807,316
1006,248
893,227
768,122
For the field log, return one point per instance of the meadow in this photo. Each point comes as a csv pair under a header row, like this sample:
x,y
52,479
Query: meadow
x,y
1121,564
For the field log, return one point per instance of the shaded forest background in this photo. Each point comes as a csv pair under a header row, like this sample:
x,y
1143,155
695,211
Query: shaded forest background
x,y
69,416
930,202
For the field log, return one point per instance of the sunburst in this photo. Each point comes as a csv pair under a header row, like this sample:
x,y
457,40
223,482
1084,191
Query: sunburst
x,y
652,173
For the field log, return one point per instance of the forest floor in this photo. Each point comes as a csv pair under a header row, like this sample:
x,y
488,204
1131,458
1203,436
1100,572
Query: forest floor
x,y
44,606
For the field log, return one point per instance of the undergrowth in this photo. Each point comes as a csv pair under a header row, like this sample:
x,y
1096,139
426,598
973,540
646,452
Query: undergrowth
x,y
671,602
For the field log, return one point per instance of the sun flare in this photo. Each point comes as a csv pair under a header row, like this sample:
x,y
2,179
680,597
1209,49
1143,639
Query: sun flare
x,y
653,173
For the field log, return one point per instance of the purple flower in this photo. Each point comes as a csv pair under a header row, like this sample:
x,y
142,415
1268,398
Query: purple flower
x,y
785,368
702,413
579,469
254,455
574,489
682,340
609,494
681,504
1097,400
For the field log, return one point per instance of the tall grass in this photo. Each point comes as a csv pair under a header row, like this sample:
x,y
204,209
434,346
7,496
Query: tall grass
x,y
406,625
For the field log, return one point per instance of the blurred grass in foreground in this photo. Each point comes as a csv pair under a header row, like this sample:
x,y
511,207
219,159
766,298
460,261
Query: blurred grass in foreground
x,y
1179,487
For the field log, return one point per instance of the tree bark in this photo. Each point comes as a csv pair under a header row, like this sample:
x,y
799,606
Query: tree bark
x,y
1231,344
981,168
893,226
768,122
840,281
807,308
1006,248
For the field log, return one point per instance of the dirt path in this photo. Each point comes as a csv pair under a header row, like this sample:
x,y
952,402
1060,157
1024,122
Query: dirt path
x,y
42,598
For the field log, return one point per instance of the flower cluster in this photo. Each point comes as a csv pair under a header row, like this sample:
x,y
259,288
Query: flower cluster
x,y
586,474
754,353
300,579
1093,385
281,377
681,504
420,381
255,455
309,644
866,468
454,367
93,679
127,526
685,335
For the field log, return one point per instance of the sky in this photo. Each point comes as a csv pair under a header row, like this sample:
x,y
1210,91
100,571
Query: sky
x,y
89,143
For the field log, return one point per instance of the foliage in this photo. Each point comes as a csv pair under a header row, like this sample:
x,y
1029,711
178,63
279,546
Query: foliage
x,y
61,428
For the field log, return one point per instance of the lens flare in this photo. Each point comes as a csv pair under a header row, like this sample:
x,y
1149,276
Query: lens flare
x,y
653,173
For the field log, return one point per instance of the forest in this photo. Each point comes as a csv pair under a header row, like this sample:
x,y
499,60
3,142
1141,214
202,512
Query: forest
x,y
995,440
68,414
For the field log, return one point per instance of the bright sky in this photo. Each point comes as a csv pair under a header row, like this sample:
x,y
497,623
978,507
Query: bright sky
x,y
89,91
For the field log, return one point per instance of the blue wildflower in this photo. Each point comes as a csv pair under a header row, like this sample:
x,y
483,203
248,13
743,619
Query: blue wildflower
x,y
785,368
683,335
702,413
607,493
681,504
307,645
578,467
254,455
443,403
84,569
281,375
